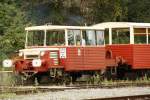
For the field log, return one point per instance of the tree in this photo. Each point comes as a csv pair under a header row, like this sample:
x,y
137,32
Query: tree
x,y
12,25
139,10
110,10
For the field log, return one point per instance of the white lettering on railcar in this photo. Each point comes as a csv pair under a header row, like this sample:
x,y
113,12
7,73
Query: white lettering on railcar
x,y
62,52
79,52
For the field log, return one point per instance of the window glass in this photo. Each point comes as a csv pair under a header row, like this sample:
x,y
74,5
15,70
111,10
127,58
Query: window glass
x,y
120,36
140,39
89,37
35,38
77,37
71,38
55,37
100,37
148,39
74,37
139,30
106,36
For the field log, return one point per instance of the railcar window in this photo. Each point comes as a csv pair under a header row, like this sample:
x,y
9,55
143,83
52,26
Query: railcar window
x,y
106,35
100,37
140,35
89,37
35,38
120,36
148,35
55,38
140,39
74,37
77,37
71,39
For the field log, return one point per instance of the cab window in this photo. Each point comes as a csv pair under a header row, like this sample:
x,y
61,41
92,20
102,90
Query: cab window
x,y
35,38
55,37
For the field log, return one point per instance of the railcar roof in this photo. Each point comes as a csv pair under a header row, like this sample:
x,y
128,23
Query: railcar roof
x,y
58,27
122,25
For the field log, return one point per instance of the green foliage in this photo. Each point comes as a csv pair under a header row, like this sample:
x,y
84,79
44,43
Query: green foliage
x,y
110,10
16,14
139,10
12,25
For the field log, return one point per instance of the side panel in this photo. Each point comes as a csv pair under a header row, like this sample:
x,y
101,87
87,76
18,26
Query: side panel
x,y
141,56
74,59
124,51
94,58
85,58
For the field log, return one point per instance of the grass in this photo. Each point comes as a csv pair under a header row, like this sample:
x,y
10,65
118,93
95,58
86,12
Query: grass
x,y
6,69
6,78
7,96
144,79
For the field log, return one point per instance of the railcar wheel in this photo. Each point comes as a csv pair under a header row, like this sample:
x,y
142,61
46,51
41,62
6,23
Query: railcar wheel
x,y
43,79
27,81
67,79
98,79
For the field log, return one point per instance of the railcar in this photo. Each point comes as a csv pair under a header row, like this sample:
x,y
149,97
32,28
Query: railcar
x,y
128,43
55,53
61,53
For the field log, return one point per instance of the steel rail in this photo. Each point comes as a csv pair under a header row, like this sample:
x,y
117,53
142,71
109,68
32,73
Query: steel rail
x,y
132,97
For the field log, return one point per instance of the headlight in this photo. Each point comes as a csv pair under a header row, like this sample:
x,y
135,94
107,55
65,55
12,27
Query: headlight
x,y
36,62
7,63
20,53
42,53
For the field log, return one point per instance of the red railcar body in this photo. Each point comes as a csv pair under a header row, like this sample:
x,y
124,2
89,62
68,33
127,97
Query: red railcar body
x,y
136,55
141,56
85,58
123,51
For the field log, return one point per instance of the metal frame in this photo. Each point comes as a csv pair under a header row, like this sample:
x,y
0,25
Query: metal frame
x,y
26,41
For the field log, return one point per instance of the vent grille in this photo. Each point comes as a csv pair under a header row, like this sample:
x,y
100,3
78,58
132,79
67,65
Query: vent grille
x,y
54,56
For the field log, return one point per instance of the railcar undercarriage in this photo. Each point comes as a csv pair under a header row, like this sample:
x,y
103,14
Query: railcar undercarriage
x,y
61,77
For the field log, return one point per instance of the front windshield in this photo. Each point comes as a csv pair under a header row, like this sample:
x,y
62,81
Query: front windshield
x,y
53,37
35,38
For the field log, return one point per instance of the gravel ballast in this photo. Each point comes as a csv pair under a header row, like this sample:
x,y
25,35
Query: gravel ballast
x,y
78,94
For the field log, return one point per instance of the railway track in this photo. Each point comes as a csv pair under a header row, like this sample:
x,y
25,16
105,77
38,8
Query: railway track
x,y
24,90
40,89
19,90
36,89
111,85
133,97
